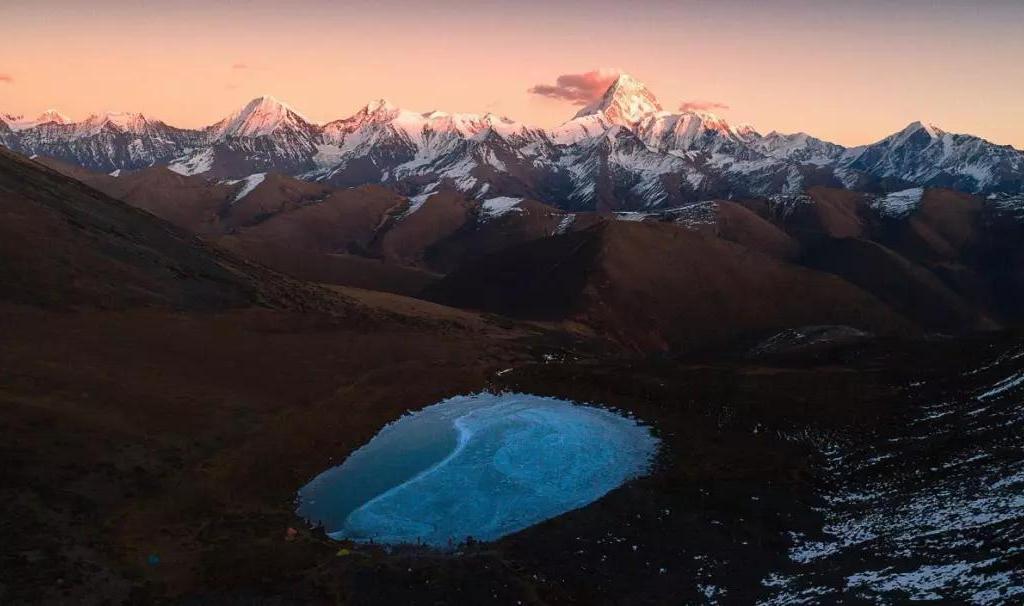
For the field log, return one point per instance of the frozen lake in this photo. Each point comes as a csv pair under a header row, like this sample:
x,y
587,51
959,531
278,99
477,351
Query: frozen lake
x,y
480,466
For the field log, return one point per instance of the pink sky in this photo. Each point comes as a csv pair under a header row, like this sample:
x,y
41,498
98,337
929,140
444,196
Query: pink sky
x,y
850,72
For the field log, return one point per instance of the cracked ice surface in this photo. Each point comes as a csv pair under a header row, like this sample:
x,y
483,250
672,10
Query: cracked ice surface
x,y
480,466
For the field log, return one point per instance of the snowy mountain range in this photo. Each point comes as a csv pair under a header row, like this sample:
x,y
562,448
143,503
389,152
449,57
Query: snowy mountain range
x,y
622,152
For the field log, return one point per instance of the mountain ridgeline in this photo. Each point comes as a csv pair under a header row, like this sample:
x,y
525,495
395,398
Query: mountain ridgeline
x,y
657,230
622,152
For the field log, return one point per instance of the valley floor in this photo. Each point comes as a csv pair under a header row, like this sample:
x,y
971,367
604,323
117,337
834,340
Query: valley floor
x,y
154,456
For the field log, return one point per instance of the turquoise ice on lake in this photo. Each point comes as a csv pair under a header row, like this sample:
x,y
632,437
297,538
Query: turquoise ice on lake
x,y
480,466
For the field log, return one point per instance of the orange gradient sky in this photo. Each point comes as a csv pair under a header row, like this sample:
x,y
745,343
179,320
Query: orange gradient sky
x,y
850,72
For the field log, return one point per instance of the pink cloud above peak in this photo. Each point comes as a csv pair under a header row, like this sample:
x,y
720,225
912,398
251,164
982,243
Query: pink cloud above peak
x,y
6,78
701,106
578,89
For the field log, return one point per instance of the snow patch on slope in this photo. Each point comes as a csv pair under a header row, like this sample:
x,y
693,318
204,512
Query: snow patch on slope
x,y
1008,204
499,207
194,164
328,155
926,582
248,184
917,523
564,225
416,203
899,204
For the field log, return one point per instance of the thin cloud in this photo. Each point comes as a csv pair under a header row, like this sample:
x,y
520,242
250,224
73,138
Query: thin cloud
x,y
706,106
578,89
247,67
6,78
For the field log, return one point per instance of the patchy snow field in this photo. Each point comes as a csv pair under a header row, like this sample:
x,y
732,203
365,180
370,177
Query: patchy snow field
x,y
932,511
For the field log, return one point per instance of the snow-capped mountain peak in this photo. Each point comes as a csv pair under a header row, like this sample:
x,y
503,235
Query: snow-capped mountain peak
x,y
711,121
626,102
621,151
260,117
52,115
129,122
380,104
470,125
924,154
796,147
19,123
378,110
121,119
927,127
747,131
695,130
933,132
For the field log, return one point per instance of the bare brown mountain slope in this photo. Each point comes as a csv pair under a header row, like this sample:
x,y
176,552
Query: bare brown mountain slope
x,y
346,221
65,244
449,230
953,261
737,223
356,235
655,285
826,213
905,286
196,203
415,230
329,241
190,202
275,194
367,237
313,245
